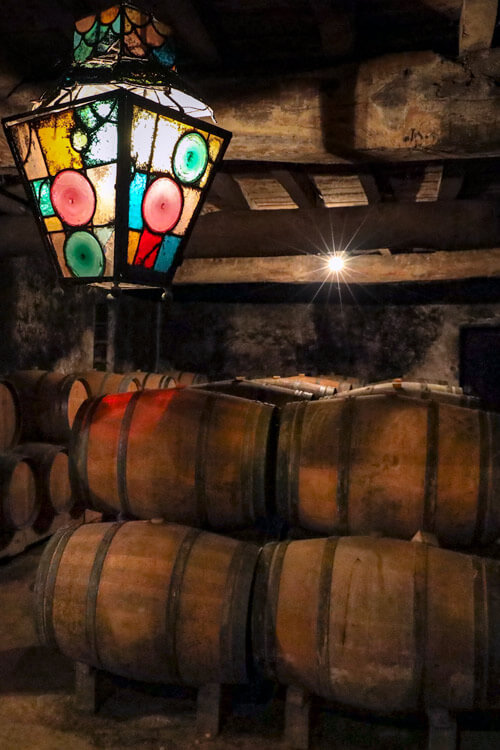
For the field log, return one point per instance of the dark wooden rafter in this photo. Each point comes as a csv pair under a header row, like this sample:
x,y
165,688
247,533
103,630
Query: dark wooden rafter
x,y
226,193
299,186
452,179
335,26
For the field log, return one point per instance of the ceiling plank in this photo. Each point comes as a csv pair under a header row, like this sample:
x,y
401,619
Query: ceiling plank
x,y
334,26
477,24
190,30
362,269
447,225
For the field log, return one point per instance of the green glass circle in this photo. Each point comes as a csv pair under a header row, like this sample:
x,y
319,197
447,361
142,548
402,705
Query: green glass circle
x,y
79,140
84,255
190,157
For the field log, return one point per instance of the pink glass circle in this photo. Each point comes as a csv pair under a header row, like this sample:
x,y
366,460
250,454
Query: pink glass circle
x,y
162,205
73,197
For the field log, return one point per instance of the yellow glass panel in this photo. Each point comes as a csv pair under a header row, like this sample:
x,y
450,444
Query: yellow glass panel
x,y
167,135
109,15
143,127
104,181
191,200
214,145
133,241
54,134
58,239
53,224
136,16
206,175
28,148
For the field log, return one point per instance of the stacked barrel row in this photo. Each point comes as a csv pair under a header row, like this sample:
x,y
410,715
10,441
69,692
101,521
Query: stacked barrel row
x,y
378,624
37,409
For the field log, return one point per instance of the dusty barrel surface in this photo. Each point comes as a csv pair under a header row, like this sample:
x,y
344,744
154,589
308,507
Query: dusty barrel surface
x,y
51,468
154,602
419,389
319,387
19,501
380,625
101,382
49,402
182,454
270,394
390,464
186,378
10,416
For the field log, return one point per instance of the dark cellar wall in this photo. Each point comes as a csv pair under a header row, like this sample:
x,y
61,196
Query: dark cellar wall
x,y
368,342
41,326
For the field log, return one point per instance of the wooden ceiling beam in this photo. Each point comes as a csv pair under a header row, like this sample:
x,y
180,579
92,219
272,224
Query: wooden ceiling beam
x,y
226,193
477,25
362,269
447,225
415,106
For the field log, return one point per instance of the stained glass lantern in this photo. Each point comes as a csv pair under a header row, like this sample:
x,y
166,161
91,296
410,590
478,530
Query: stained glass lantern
x,y
115,162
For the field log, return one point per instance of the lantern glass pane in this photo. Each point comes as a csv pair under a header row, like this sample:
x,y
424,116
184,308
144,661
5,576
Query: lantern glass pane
x,y
171,164
70,160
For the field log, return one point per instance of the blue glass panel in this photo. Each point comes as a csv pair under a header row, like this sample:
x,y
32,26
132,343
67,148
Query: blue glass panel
x,y
165,54
137,188
166,254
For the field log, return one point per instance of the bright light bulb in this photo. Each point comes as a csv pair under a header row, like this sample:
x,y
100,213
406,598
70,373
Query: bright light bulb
x,y
336,263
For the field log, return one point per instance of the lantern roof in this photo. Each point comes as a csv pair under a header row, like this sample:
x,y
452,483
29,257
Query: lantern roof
x,y
122,33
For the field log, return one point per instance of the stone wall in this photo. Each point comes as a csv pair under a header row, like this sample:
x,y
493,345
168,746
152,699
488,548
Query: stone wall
x,y
369,342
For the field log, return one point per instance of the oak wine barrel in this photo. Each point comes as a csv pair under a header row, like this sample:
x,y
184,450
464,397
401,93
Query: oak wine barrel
x,y
19,501
390,464
157,380
51,469
153,602
186,455
10,416
186,378
49,402
380,625
101,382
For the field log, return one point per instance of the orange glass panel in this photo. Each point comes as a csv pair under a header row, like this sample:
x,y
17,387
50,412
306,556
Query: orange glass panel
x,y
191,200
58,239
54,134
85,24
109,15
134,45
133,242
152,36
28,148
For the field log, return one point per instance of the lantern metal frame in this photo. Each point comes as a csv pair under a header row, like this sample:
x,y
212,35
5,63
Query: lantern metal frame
x,y
122,271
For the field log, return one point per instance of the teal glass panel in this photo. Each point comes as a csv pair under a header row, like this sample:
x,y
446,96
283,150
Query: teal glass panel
x,y
90,36
84,255
104,234
82,52
137,189
87,117
166,254
106,39
190,157
116,25
41,189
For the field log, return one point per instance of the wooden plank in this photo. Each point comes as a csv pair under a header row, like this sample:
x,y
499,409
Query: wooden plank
x,y
409,106
444,225
397,107
361,269
299,186
477,24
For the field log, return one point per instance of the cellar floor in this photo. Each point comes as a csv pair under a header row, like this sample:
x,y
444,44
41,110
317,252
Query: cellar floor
x,y
37,711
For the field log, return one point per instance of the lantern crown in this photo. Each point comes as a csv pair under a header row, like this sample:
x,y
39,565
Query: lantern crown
x,y
120,33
